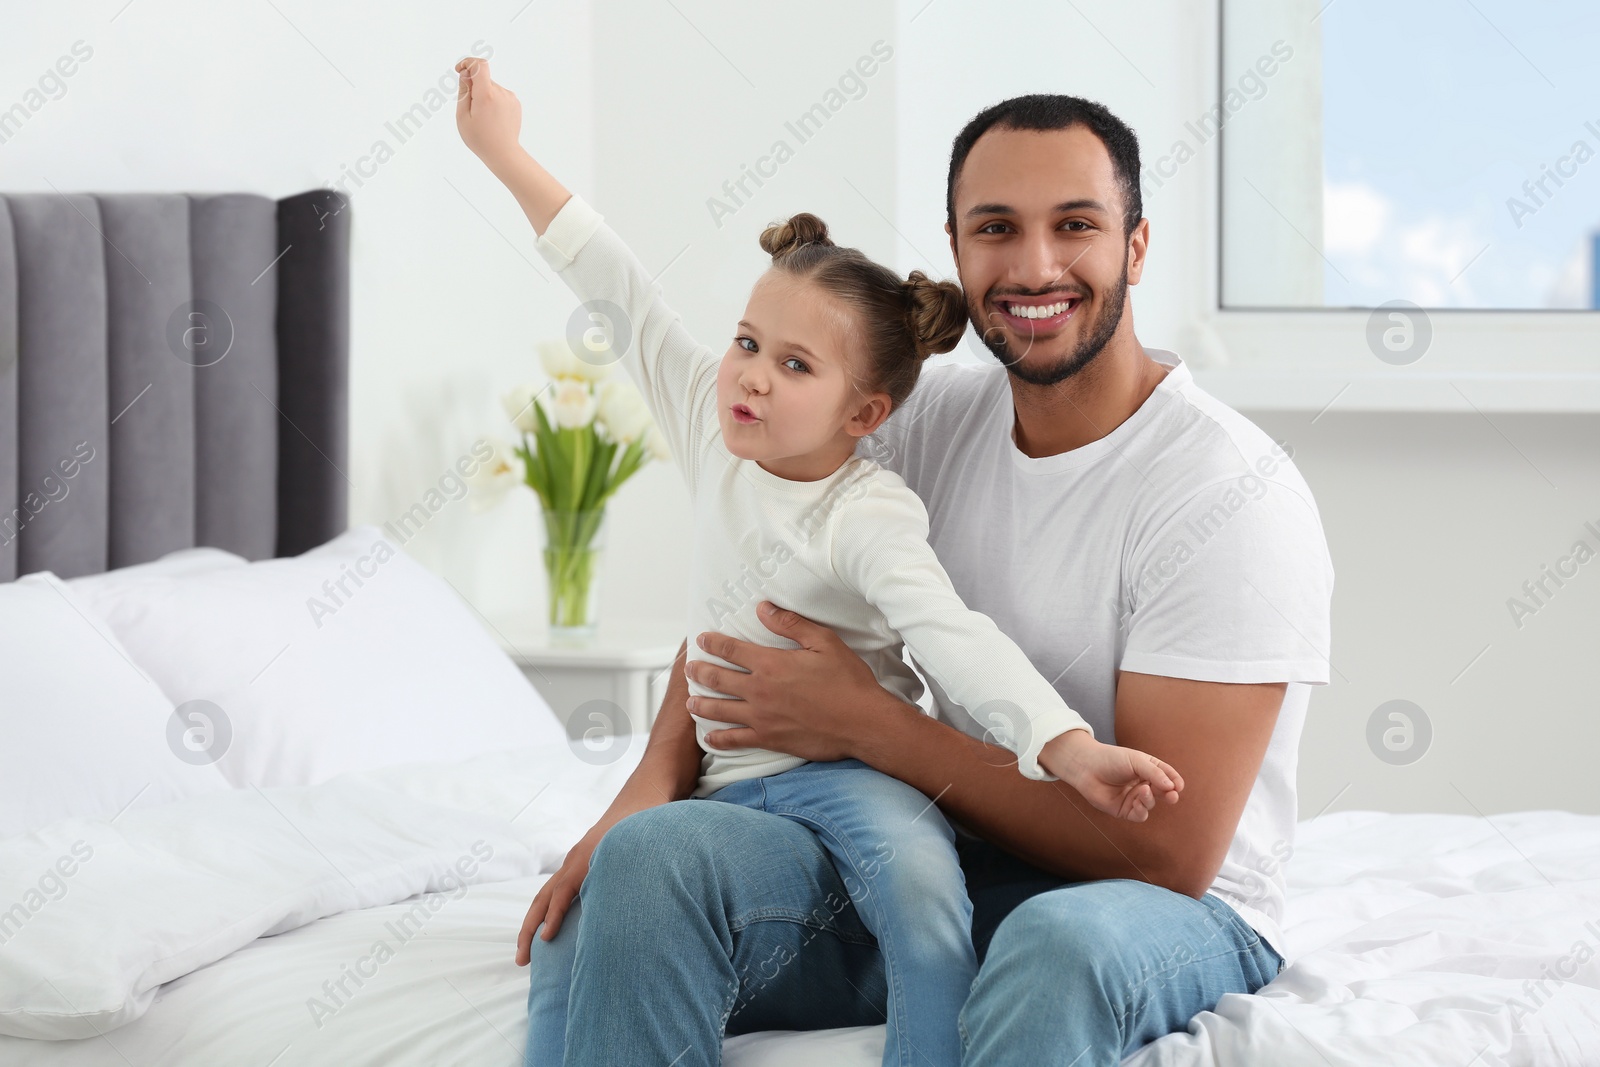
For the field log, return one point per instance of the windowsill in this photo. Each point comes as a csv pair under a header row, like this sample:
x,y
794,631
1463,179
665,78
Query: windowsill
x,y
1317,360
1258,389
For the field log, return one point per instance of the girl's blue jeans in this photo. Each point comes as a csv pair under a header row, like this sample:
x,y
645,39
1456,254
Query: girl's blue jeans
x,y
832,895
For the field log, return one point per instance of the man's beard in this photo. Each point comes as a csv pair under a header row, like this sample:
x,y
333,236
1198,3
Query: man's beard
x,y
1087,350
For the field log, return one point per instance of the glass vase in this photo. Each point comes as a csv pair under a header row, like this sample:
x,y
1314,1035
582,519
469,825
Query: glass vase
x,y
574,541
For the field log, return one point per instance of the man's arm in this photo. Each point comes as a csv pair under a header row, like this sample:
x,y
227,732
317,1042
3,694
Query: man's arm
x,y
822,702
1214,733
667,771
671,757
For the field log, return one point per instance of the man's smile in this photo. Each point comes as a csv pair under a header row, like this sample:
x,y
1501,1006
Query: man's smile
x,y
1033,315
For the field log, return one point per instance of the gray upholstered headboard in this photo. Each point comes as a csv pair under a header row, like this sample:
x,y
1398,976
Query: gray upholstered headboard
x,y
173,372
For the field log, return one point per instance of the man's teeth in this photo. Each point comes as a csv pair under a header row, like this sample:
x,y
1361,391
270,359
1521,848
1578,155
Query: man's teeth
x,y
1040,311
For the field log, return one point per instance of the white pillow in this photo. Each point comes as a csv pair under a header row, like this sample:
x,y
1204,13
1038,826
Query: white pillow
x,y
85,732
348,657
101,916
91,588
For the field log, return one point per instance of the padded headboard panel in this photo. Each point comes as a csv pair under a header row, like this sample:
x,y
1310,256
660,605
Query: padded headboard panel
x,y
174,371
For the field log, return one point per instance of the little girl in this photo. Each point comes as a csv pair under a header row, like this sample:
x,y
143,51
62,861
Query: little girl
x,y
785,511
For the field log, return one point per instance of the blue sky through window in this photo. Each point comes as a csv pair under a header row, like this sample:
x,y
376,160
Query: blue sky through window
x,y
1435,114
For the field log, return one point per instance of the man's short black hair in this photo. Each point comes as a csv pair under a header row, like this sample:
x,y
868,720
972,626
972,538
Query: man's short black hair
x,y
1055,111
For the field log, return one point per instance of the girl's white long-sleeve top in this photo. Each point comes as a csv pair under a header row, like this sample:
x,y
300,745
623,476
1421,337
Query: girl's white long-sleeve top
x,y
848,551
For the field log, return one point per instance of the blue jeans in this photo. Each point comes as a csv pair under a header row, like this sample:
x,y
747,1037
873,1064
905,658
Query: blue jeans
x,y
1086,973
895,853
701,918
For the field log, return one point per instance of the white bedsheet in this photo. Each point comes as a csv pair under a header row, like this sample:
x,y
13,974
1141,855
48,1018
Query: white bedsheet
x,y
1413,940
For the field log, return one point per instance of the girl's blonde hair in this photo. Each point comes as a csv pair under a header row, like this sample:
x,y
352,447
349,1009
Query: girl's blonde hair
x,y
903,321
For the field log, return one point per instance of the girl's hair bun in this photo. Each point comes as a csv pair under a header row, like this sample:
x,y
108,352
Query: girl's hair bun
x,y
937,312
781,238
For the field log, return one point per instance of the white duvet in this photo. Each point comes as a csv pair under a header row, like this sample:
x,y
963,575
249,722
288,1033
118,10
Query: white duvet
x,y
371,920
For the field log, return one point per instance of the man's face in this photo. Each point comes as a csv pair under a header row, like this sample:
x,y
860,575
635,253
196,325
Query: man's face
x,y
1039,245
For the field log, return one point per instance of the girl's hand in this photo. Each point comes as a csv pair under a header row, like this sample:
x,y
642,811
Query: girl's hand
x,y
1123,782
488,116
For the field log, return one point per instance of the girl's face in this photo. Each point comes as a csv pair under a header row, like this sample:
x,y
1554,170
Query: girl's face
x,y
786,389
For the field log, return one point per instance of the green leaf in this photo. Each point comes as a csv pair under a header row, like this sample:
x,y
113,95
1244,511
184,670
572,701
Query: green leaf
x,y
632,460
556,446
582,441
577,470
532,469
594,490
533,473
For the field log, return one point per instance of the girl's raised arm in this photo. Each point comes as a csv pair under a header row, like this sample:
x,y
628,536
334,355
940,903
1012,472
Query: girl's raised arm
x,y
622,305
489,117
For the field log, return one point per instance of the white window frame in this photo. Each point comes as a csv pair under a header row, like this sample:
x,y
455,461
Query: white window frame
x,y
1317,359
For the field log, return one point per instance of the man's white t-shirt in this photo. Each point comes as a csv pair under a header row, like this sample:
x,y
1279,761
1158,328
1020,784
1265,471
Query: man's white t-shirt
x,y
1184,543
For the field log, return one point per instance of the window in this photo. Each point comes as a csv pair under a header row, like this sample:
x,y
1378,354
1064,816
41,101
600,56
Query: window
x,y
1440,152
1407,204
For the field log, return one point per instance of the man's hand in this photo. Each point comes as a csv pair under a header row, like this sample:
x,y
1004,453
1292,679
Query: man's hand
x,y
555,897
667,771
645,788
814,701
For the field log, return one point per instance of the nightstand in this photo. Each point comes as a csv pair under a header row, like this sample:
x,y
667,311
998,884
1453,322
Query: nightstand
x,y
615,683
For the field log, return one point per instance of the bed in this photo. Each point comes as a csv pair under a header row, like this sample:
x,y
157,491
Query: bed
x,y
272,795
1400,955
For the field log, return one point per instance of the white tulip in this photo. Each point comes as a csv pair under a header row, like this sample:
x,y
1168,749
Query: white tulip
x,y
519,407
501,472
622,411
559,361
656,444
571,404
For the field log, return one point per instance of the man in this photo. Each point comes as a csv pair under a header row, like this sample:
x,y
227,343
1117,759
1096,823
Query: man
x,y
1161,562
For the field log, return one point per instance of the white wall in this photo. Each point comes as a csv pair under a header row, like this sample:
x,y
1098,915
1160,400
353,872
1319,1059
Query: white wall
x,y
1434,522
646,109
